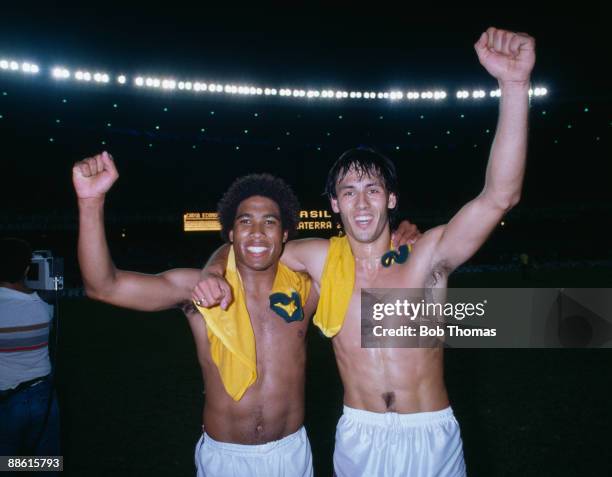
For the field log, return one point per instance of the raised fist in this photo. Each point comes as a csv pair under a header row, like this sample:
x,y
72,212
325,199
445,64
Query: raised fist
x,y
93,177
507,56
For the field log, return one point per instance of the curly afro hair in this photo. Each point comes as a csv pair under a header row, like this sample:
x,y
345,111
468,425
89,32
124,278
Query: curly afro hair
x,y
265,185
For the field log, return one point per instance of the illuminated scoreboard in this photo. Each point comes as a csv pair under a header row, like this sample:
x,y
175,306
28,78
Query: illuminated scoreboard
x,y
201,222
209,221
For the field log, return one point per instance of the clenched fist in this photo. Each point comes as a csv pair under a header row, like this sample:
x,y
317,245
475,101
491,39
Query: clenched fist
x,y
94,176
509,57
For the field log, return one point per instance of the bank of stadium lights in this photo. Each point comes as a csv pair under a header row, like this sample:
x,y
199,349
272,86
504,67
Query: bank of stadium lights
x,y
170,84
25,67
496,93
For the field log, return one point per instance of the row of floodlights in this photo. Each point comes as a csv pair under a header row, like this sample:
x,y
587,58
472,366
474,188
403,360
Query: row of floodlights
x,y
496,93
62,73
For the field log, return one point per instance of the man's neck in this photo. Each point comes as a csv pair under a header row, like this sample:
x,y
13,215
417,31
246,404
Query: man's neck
x,y
368,255
17,286
257,281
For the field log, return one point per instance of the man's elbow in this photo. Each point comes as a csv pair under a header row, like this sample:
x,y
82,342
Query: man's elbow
x,y
96,293
504,202
509,202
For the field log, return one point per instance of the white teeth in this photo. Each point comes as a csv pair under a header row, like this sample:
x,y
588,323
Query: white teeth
x,y
362,219
256,249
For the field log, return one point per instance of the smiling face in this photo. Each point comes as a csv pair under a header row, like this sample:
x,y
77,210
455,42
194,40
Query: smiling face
x,y
257,233
363,203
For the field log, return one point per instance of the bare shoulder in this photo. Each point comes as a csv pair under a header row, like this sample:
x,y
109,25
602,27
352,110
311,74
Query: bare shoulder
x,y
309,245
306,255
429,239
423,251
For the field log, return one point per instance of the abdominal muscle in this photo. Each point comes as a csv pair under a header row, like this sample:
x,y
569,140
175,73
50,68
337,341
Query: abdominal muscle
x,y
264,414
403,380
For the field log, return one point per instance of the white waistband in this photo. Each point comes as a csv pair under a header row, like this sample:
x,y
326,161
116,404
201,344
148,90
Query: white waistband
x,y
415,419
254,448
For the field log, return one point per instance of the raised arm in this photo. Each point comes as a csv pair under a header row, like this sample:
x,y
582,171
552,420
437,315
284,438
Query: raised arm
x,y
509,57
92,178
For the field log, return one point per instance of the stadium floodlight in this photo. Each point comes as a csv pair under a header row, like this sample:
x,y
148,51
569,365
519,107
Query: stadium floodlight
x,y
60,73
4,64
139,81
13,65
188,85
121,79
539,91
439,95
29,68
168,84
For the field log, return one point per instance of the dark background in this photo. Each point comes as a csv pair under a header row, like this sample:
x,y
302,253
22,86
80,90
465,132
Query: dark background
x,y
128,382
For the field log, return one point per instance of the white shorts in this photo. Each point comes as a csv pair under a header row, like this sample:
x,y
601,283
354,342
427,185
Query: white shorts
x,y
423,444
290,456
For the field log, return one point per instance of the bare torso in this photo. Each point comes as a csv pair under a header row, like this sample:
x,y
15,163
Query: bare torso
x,y
404,380
273,407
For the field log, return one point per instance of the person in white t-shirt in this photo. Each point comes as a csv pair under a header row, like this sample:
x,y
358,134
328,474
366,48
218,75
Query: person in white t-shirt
x,y
28,408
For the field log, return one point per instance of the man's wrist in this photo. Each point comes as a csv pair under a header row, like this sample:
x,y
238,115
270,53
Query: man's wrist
x,y
91,202
516,87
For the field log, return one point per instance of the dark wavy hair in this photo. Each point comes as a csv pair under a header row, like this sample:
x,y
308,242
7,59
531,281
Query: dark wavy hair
x,y
15,256
366,161
265,185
